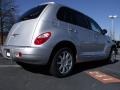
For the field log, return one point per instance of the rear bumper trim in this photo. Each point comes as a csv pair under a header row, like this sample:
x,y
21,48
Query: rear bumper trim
x,y
31,55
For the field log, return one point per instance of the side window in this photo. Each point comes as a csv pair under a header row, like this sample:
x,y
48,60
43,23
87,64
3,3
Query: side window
x,y
65,14
81,20
32,13
95,26
71,16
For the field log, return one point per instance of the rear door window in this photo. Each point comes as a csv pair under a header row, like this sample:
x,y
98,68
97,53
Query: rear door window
x,y
81,20
71,16
65,14
32,13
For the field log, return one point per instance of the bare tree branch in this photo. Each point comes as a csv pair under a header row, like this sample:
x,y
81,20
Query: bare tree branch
x,y
8,15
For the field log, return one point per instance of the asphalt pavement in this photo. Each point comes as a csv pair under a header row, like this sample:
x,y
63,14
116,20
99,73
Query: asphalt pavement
x,y
27,77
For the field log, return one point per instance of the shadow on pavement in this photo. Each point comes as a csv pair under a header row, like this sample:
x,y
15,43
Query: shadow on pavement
x,y
35,68
78,67
90,65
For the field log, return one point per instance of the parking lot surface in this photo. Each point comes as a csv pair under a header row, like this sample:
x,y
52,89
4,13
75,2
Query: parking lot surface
x,y
86,76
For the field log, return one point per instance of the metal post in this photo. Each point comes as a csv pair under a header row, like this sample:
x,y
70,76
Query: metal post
x,y
119,37
113,37
113,30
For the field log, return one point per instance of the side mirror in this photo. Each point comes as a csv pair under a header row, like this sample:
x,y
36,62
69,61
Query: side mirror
x,y
104,31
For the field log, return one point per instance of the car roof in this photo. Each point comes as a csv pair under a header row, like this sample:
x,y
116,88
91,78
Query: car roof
x,y
61,5
48,3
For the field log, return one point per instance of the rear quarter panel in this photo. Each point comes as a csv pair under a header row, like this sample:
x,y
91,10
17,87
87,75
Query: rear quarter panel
x,y
48,22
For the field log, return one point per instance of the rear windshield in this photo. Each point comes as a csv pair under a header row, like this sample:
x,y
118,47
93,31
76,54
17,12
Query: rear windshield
x,y
32,13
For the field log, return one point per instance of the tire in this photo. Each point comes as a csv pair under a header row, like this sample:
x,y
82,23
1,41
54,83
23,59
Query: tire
x,y
112,56
62,62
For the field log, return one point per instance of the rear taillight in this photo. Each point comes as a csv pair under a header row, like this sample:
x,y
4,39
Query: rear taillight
x,y
42,38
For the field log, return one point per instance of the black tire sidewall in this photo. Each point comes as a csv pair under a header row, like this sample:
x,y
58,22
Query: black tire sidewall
x,y
54,69
109,59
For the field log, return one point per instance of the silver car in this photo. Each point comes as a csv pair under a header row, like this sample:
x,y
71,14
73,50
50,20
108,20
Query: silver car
x,y
59,36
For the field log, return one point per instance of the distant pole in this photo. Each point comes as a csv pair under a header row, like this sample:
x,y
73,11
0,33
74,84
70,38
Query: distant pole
x,y
119,37
110,34
112,17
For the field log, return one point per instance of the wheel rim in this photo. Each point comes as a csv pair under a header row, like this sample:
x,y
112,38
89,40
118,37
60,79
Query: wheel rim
x,y
113,56
64,62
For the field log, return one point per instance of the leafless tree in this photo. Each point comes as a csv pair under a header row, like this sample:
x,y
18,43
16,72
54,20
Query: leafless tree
x,y
8,15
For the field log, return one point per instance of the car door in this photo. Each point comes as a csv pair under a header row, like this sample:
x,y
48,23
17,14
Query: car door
x,y
99,39
79,30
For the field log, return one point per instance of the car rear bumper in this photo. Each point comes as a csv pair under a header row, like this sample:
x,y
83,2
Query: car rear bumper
x,y
30,55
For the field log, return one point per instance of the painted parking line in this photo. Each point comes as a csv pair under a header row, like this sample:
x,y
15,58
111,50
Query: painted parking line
x,y
5,66
102,77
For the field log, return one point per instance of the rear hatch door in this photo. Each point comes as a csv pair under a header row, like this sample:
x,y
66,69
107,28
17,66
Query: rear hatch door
x,y
21,33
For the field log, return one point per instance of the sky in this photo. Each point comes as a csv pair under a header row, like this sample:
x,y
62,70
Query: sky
x,y
99,10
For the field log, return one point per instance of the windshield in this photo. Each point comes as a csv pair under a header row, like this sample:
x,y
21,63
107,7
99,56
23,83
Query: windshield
x,y
32,13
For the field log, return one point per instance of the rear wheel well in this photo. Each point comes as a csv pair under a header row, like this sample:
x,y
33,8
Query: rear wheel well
x,y
60,45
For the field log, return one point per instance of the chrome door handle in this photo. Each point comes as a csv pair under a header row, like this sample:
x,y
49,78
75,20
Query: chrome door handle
x,y
72,30
14,35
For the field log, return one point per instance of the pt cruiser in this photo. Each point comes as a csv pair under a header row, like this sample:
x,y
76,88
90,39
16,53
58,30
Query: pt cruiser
x,y
59,36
